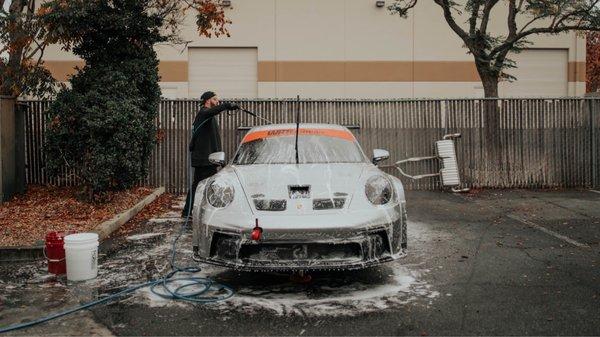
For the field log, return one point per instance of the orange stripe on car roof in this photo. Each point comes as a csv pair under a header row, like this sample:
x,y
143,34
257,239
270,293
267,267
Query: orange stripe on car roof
x,y
343,134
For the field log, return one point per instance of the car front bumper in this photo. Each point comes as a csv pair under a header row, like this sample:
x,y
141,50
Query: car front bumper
x,y
362,242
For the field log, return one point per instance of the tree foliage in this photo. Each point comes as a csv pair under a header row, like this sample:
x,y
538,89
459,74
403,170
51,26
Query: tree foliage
x,y
103,126
593,62
26,32
524,19
22,45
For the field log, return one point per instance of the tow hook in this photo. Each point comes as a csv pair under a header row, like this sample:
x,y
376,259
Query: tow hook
x,y
256,232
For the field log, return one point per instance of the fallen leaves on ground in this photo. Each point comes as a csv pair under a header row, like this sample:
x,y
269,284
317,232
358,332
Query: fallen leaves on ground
x,y
27,218
159,206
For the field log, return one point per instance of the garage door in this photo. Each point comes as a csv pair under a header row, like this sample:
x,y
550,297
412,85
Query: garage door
x,y
230,72
541,72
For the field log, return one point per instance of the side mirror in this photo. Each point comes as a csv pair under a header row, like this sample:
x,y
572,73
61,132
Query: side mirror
x,y
380,155
217,158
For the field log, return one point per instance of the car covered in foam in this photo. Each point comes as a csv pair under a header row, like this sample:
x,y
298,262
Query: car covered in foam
x,y
295,200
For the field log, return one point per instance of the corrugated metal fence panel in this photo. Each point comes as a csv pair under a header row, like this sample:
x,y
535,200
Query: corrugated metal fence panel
x,y
544,142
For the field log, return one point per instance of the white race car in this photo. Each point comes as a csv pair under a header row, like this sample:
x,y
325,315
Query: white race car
x,y
299,200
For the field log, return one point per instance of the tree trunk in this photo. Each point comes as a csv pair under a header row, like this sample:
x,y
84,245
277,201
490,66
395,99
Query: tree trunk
x,y
490,86
491,126
9,85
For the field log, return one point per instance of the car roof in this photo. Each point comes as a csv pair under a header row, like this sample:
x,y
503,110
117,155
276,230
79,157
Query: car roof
x,y
293,126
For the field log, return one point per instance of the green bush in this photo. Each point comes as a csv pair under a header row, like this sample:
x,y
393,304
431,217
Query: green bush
x,y
102,132
103,125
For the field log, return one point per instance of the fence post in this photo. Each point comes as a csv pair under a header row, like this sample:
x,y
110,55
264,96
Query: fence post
x,y
593,143
20,110
8,169
444,116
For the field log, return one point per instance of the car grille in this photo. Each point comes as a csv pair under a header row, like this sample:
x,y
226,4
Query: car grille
x,y
270,252
335,203
273,205
224,246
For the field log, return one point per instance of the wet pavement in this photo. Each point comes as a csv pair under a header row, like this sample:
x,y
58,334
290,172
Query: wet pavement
x,y
493,263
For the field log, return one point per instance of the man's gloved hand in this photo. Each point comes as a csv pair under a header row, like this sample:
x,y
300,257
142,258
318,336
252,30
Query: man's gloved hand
x,y
231,106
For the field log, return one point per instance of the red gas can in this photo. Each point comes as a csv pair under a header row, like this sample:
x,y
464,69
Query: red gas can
x,y
55,253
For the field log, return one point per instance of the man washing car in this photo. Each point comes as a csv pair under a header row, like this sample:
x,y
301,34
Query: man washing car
x,y
206,139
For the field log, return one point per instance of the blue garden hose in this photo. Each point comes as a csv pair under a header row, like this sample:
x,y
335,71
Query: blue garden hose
x,y
200,295
197,296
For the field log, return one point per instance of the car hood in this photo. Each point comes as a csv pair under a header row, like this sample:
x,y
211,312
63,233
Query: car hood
x,y
325,180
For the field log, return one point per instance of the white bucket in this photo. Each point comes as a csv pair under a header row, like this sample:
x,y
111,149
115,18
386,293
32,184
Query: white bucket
x,y
81,253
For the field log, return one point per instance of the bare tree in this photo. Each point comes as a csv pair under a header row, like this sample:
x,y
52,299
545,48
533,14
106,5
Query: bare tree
x,y
490,50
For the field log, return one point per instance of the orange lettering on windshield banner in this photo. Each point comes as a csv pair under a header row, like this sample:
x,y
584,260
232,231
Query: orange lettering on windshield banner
x,y
343,134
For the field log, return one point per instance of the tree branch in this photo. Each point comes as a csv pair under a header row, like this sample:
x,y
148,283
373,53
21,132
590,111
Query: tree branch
x,y
474,16
31,7
486,15
535,18
402,6
511,20
39,47
556,26
447,8
17,6
573,13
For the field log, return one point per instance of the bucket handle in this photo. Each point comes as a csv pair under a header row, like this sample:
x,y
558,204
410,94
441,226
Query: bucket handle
x,y
49,259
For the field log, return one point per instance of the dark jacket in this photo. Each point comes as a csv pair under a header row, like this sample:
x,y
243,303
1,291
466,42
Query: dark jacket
x,y
206,138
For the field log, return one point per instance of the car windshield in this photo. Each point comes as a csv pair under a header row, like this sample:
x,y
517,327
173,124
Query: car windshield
x,y
312,149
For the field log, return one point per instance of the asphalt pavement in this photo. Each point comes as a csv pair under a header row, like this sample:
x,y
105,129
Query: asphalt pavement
x,y
494,262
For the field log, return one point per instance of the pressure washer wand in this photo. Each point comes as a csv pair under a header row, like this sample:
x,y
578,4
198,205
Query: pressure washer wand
x,y
256,115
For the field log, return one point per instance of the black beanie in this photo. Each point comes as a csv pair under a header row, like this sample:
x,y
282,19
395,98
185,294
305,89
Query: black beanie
x,y
206,96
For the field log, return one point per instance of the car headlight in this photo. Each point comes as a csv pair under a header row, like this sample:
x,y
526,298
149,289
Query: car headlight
x,y
219,193
379,190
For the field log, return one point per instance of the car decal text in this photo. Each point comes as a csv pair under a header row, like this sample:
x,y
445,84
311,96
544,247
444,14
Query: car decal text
x,y
343,134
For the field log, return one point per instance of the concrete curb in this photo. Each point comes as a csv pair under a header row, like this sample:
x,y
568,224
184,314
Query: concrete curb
x,y
108,227
21,254
32,253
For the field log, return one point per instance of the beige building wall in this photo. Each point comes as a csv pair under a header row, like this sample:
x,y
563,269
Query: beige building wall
x,y
352,49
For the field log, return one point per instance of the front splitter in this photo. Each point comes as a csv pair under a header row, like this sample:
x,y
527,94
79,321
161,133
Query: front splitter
x,y
293,266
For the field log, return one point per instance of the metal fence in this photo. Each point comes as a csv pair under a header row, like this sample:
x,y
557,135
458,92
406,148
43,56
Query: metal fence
x,y
543,142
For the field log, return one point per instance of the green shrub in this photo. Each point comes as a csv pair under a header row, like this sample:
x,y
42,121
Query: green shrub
x,y
102,127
